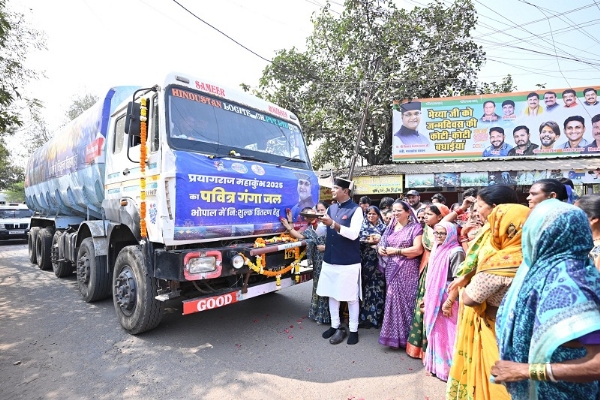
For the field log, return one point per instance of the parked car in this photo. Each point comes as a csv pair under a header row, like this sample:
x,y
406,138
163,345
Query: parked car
x,y
14,221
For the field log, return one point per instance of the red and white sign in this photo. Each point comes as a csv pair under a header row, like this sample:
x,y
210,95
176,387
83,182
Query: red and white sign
x,y
209,303
94,150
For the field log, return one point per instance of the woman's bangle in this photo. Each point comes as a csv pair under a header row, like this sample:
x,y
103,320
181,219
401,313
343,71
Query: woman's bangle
x,y
549,372
400,251
537,372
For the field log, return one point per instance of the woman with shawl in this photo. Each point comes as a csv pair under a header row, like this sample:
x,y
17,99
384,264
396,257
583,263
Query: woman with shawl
x,y
440,313
399,250
373,281
475,349
549,323
417,341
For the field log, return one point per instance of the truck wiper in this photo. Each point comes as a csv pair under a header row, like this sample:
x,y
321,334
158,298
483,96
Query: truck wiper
x,y
292,159
234,154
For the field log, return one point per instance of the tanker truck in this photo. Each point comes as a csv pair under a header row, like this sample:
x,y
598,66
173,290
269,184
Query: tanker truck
x,y
171,193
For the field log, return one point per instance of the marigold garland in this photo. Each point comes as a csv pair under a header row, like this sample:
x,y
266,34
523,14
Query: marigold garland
x,y
284,237
143,155
260,264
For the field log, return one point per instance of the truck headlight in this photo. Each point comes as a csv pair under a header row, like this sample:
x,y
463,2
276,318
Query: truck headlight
x,y
2,226
198,265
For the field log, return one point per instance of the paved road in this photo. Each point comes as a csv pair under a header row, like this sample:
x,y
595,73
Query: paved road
x,y
55,346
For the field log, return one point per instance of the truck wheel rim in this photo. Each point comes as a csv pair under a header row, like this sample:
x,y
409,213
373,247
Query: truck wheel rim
x,y
83,270
125,290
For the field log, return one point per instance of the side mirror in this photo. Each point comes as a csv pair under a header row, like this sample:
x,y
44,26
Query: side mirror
x,y
132,119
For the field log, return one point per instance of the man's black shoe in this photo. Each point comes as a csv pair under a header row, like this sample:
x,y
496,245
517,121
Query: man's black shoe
x,y
353,338
329,333
338,337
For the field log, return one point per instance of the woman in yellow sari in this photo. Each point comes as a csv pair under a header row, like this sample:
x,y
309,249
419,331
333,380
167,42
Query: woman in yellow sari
x,y
476,351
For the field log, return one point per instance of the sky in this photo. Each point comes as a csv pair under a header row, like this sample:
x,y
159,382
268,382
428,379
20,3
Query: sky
x,y
94,45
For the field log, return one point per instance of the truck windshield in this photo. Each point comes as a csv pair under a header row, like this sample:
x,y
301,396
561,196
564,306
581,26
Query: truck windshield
x,y
199,122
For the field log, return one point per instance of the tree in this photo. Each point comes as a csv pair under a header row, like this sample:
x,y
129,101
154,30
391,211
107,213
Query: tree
x,y
17,39
80,104
15,193
372,49
10,174
506,86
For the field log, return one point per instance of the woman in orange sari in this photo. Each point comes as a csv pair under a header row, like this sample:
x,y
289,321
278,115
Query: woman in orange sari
x,y
475,350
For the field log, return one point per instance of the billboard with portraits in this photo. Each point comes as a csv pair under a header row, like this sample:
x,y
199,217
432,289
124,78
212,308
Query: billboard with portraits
x,y
544,123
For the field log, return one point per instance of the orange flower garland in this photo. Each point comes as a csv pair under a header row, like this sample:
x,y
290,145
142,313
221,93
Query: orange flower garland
x,y
260,263
143,155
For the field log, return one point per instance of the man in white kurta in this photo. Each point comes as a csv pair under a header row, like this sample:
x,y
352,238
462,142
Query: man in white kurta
x,y
340,272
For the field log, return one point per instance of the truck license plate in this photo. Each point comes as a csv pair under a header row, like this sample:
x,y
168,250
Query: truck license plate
x,y
16,232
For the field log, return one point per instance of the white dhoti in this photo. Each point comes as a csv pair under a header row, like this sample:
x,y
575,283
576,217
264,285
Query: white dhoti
x,y
340,282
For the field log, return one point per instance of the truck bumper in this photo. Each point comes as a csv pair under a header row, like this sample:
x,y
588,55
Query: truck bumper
x,y
209,302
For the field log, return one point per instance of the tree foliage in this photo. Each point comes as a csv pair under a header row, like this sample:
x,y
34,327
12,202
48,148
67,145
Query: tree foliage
x,y
15,193
17,39
80,104
10,174
374,49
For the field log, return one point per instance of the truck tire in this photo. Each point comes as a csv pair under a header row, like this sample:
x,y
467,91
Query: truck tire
x,y
92,279
43,249
134,292
31,240
61,268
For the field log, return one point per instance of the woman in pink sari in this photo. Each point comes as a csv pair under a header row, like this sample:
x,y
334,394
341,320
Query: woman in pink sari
x,y
399,250
441,310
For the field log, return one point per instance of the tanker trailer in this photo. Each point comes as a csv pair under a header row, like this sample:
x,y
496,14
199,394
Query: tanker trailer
x,y
172,192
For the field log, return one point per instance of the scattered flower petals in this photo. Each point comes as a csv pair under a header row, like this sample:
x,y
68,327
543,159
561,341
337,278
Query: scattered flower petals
x,y
290,337
291,326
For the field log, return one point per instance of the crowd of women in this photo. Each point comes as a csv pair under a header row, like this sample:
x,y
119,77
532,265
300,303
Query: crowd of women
x,y
498,299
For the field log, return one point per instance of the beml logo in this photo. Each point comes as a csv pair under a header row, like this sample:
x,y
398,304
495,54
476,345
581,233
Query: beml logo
x,y
215,302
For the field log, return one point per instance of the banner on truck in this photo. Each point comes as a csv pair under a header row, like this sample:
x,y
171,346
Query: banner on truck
x,y
558,122
220,198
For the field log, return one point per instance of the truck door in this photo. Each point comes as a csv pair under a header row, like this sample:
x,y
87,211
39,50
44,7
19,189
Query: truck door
x,y
123,170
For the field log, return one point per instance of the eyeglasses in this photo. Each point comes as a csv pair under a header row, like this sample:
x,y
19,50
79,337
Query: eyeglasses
x,y
439,233
411,114
303,182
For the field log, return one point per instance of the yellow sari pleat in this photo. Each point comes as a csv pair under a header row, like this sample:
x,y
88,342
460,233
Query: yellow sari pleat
x,y
471,365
